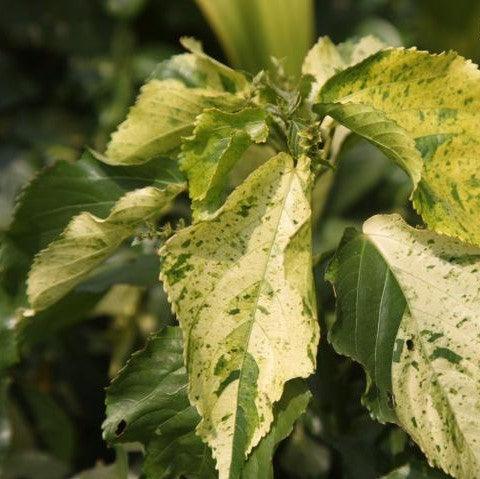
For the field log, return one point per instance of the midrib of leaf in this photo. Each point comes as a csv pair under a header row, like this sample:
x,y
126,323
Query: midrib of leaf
x,y
390,147
418,336
67,208
385,281
255,309
362,253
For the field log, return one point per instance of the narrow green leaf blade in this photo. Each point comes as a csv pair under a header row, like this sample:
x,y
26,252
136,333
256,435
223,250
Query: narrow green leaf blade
x,y
407,101
252,31
241,286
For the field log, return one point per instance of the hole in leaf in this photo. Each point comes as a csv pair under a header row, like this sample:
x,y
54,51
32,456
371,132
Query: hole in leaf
x,y
410,345
390,400
121,426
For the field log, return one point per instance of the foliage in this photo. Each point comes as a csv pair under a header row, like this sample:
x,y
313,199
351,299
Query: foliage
x,y
214,230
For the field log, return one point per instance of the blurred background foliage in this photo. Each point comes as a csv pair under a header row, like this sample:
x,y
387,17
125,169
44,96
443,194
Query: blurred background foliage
x,y
69,70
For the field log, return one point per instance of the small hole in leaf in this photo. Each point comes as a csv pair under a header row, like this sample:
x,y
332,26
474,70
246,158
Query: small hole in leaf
x,y
409,344
121,426
390,400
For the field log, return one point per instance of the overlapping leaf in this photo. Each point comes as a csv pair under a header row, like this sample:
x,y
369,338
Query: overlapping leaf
x,y
325,59
168,104
148,403
218,142
60,192
422,111
241,286
408,309
89,240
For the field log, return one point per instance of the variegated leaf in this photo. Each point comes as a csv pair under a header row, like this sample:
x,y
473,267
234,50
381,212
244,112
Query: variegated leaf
x,y
408,310
89,240
325,59
241,286
422,110
147,402
218,142
165,111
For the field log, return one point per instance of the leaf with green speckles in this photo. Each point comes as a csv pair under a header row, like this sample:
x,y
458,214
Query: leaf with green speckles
x,y
422,111
218,142
238,363
148,403
420,296
88,240
325,59
165,110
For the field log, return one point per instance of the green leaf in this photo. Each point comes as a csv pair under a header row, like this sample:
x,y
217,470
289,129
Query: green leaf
x,y
53,426
165,110
5,426
421,110
325,59
369,299
418,293
252,31
415,470
218,142
241,286
116,470
148,402
219,76
88,240
293,403
64,190
149,390
66,312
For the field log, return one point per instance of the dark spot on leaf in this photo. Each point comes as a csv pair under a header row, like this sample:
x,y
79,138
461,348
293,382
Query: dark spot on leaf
x,y
390,400
121,426
409,344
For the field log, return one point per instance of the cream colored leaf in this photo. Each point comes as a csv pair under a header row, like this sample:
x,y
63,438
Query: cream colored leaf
x,y
89,240
241,286
434,100
325,59
435,369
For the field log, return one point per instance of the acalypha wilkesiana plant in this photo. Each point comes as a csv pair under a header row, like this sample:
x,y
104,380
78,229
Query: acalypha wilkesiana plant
x,y
215,395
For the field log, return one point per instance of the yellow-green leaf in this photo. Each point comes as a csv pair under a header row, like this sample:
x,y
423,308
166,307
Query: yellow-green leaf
x,y
241,286
89,240
412,101
164,113
179,90
325,59
218,142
